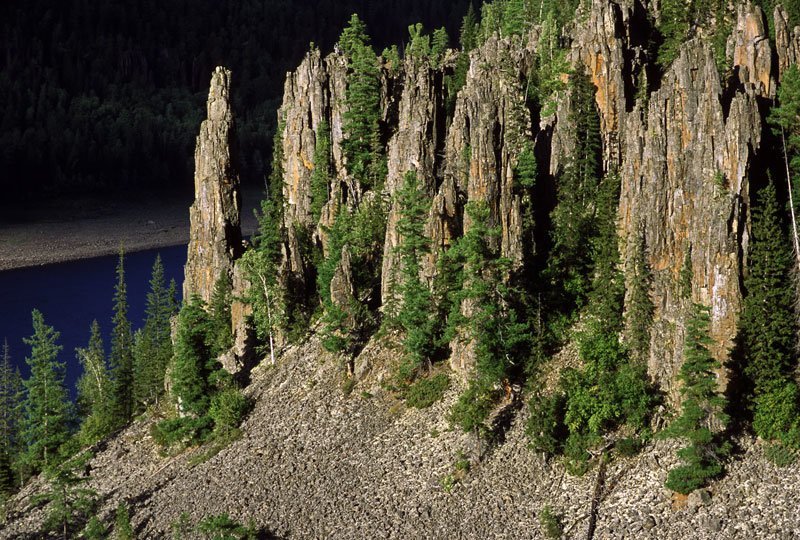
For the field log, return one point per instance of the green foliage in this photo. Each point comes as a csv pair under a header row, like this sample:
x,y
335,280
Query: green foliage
x,y
193,363
414,315
702,406
767,325
321,174
362,145
426,391
94,390
262,268
679,21
551,523
639,312
228,408
785,120
780,454
498,333
47,410
122,523
474,406
686,276
153,344
546,423
94,530
222,527
70,502
439,44
575,219
182,431
221,333
11,396
121,356
419,43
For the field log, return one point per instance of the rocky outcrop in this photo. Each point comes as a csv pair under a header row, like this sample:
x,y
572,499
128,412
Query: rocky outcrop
x,y
685,184
787,40
415,147
752,54
215,237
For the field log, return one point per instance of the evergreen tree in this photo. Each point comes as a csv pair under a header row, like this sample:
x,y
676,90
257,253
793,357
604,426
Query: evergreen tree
x,y
70,501
153,343
121,357
10,396
702,406
439,44
768,325
94,530
574,217
498,334
193,362
415,309
220,314
419,44
47,412
262,268
360,123
321,175
122,523
468,37
94,390
639,312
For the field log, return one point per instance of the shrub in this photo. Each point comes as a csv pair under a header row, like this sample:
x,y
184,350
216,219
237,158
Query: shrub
x,y
186,430
222,527
122,523
473,407
228,409
545,426
425,392
775,415
780,455
551,523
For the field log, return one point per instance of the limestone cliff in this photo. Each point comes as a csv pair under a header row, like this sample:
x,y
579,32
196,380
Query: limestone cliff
x,y
215,236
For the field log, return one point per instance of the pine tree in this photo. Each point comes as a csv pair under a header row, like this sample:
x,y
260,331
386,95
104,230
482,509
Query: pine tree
x,y
439,44
122,523
360,123
121,357
702,406
415,308
47,411
94,390
220,314
768,326
574,217
468,37
70,502
639,312
10,396
153,343
321,175
193,363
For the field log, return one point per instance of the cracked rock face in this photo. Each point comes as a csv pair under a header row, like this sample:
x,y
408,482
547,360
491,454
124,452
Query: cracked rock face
x,y
215,236
752,54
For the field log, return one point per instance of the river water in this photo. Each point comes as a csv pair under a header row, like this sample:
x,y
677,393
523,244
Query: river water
x,y
70,295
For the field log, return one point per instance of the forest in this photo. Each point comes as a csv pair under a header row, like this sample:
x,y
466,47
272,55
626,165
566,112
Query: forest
x,y
106,98
573,290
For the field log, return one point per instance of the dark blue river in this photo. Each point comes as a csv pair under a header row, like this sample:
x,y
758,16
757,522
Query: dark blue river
x,y
70,295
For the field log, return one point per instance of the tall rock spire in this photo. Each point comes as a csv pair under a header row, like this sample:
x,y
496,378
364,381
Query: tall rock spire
x,y
215,240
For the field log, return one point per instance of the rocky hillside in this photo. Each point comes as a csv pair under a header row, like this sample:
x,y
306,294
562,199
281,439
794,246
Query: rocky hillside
x,y
330,449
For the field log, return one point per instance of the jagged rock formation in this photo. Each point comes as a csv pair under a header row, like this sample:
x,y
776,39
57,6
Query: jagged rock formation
x,y
215,237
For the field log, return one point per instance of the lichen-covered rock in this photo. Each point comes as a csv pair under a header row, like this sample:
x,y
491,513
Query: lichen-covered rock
x,y
215,237
416,146
685,183
787,40
752,54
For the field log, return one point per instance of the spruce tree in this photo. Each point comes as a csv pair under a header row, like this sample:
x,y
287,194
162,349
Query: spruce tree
x,y
768,326
262,268
10,396
574,217
220,314
193,362
70,502
415,308
153,343
702,406
121,357
639,311
94,390
47,409
360,122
